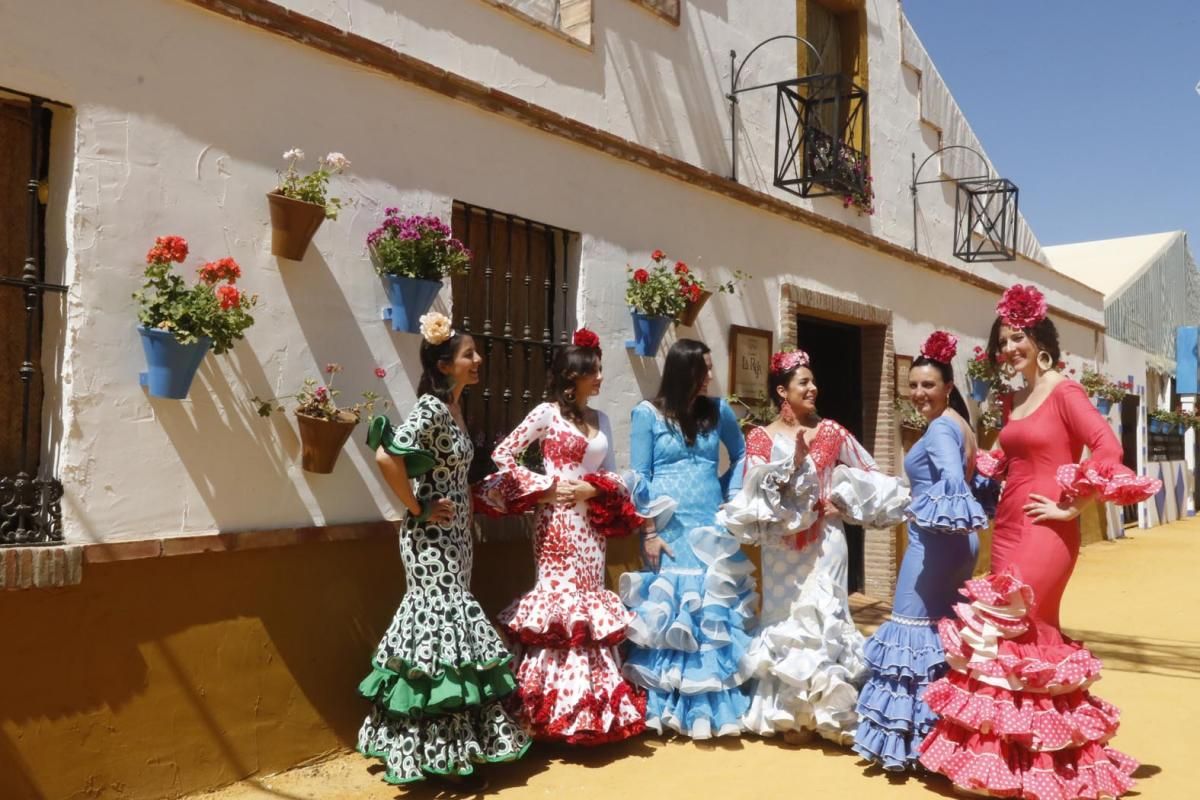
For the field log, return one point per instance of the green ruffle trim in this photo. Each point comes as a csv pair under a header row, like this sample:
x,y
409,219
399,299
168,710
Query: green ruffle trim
x,y
416,694
461,772
381,432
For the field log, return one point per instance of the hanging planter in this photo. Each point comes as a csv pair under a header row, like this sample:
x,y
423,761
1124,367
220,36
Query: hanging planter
x,y
979,389
170,365
293,225
1156,425
300,203
321,440
692,309
648,333
408,299
1103,405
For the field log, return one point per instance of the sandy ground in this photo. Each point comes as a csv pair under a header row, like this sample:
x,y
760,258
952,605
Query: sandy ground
x,y
1129,601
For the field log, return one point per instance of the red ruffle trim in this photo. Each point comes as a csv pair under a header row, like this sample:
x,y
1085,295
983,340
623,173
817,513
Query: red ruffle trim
x,y
1038,722
1114,483
991,464
558,636
983,763
510,492
536,710
567,618
610,512
1040,668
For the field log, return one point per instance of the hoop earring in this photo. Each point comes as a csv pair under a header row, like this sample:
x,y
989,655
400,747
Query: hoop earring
x,y
1049,365
569,394
787,414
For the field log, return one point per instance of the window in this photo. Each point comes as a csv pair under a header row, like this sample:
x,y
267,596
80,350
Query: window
x,y
29,501
570,18
518,302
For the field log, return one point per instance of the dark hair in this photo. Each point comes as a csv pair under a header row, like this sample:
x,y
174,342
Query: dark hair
x,y
1043,333
570,364
678,399
778,380
947,372
433,381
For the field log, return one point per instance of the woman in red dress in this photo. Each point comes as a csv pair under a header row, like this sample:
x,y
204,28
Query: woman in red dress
x,y
1016,717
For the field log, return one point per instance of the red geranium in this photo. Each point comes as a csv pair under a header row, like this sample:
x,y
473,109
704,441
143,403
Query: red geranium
x,y
681,268
693,292
940,346
657,255
229,296
1022,306
641,276
168,248
585,338
225,269
380,372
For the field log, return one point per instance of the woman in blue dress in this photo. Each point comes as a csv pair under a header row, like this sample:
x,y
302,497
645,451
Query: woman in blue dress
x,y
905,655
694,602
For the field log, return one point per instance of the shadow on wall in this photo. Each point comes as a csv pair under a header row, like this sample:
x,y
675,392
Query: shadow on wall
x,y
200,670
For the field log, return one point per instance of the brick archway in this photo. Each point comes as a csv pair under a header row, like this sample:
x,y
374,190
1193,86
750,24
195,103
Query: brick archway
x,y
878,379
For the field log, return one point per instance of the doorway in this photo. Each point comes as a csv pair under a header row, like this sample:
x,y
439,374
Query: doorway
x,y
1130,419
836,352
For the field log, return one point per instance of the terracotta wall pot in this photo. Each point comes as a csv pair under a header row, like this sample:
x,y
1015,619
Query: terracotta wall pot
x,y
692,310
293,224
322,441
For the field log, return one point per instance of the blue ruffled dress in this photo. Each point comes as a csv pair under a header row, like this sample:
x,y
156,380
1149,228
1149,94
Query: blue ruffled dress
x,y
905,655
688,637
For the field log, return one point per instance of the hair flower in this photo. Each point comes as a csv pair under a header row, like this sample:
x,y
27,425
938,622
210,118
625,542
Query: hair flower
x,y
435,327
586,338
940,346
1022,306
788,360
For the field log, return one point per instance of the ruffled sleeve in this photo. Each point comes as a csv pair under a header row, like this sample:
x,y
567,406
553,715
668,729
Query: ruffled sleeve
x,y
611,512
869,497
515,489
1102,474
412,440
777,498
657,508
949,506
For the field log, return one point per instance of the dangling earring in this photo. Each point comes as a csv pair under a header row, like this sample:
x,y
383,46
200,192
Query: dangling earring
x,y
1048,365
787,414
569,393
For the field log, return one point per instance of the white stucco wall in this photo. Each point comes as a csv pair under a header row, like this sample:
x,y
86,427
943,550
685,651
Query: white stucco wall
x,y
183,132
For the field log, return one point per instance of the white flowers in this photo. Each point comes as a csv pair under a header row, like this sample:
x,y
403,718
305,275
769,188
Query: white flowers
x,y
435,327
336,162
295,154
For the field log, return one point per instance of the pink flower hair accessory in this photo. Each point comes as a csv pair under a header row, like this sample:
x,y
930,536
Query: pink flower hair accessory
x,y
1022,306
940,346
789,360
586,338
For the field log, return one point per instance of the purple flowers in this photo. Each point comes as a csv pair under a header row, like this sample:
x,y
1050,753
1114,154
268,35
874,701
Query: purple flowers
x,y
416,247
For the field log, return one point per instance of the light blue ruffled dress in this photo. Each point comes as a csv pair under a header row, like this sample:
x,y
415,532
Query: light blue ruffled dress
x,y
688,636
905,655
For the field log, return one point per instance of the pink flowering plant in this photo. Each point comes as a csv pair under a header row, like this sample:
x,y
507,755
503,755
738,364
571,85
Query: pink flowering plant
x,y
416,247
862,186
318,399
212,307
1097,384
312,187
660,291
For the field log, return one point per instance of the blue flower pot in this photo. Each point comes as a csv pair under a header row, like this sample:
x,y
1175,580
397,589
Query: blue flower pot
x,y
1156,426
980,389
1179,428
171,366
409,298
648,333
1103,405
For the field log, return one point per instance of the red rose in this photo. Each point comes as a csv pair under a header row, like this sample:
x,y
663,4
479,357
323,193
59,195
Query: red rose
x,y
585,338
681,268
658,255
641,276
940,346
229,296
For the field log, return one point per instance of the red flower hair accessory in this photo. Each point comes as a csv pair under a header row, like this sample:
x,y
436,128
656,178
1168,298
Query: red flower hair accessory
x,y
940,346
1022,306
788,361
585,338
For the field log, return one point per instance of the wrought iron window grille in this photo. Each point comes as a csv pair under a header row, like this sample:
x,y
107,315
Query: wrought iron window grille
x,y
821,129
30,503
985,211
516,300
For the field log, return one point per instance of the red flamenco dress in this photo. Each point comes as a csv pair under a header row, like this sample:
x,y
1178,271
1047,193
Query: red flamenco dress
x,y
565,630
1017,719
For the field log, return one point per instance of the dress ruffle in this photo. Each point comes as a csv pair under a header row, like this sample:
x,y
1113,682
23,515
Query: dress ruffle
x,y
401,690
1114,483
991,464
808,667
578,696
869,497
1016,719
948,507
658,509
510,491
563,616
611,513
689,630
776,500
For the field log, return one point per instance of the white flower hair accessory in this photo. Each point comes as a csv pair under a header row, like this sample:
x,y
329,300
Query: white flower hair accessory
x,y
435,327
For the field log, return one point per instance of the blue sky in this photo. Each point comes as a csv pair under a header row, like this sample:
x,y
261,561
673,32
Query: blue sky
x,y
1090,107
